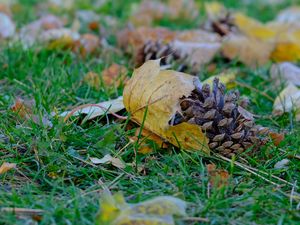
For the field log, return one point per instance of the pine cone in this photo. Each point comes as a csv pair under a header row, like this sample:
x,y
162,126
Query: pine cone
x,y
223,25
157,49
229,127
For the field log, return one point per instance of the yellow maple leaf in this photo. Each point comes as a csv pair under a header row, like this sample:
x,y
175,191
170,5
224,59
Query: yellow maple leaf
x,y
283,52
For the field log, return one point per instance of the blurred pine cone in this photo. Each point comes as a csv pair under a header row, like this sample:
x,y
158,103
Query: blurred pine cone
x,y
157,49
229,127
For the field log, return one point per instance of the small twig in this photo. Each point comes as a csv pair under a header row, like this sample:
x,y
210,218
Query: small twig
x,y
95,105
275,177
256,90
197,219
23,211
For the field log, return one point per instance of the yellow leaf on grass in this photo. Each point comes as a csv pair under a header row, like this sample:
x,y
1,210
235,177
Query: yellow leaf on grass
x,y
253,28
160,210
248,50
286,52
154,94
288,100
214,9
6,167
227,78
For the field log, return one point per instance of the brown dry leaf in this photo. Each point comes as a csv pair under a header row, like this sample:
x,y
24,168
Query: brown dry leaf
x,y
285,72
23,109
277,138
6,167
198,36
7,26
88,44
286,52
93,80
157,92
133,39
248,50
217,177
114,75
108,159
94,110
287,101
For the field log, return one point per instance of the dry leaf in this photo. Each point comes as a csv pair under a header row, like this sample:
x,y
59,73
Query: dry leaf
x,y
197,54
253,28
290,15
288,100
133,39
248,50
282,164
29,34
100,109
285,72
93,80
108,159
7,26
23,109
198,36
183,9
277,138
228,78
286,52
157,92
217,177
6,167
114,75
160,210
88,44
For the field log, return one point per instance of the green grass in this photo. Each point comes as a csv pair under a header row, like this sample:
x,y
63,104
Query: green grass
x,y
53,171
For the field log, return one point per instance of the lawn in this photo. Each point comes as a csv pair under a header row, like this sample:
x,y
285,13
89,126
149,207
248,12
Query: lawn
x,y
54,173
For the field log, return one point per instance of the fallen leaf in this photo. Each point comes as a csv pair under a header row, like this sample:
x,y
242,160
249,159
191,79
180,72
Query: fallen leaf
x,y
277,138
29,34
282,164
23,109
114,75
100,109
290,15
160,210
108,159
7,26
287,100
217,177
227,78
286,52
156,93
253,28
248,50
133,39
285,73
196,54
92,79
88,44
183,9
6,167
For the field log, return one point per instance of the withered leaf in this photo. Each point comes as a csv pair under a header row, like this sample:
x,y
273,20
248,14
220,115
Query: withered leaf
x,y
156,93
6,167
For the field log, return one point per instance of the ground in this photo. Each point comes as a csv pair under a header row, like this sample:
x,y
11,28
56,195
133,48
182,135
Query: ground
x,y
53,173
